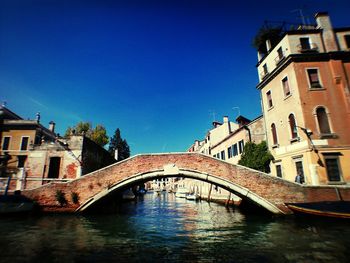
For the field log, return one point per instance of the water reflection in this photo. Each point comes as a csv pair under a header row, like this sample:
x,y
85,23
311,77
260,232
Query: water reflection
x,y
161,228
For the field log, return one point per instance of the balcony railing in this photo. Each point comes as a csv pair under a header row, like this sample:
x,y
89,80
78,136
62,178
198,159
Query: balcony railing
x,y
307,48
264,74
279,58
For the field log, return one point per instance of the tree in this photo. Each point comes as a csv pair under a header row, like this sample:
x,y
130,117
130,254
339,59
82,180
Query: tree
x,y
273,34
117,143
256,156
97,134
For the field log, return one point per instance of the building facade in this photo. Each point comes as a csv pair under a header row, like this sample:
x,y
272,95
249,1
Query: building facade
x,y
32,155
304,85
226,140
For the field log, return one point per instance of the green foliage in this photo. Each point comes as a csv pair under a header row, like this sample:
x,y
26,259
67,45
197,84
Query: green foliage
x,y
61,198
274,34
117,143
75,197
256,156
97,134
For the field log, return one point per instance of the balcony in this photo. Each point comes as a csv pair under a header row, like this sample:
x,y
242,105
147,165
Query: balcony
x,y
309,48
264,74
280,58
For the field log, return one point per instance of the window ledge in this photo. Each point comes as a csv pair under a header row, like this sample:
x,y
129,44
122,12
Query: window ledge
x,y
275,146
270,108
288,96
336,183
296,139
328,136
317,88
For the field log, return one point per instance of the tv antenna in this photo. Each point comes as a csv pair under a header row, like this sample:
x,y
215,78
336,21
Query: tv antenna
x,y
301,15
237,108
213,113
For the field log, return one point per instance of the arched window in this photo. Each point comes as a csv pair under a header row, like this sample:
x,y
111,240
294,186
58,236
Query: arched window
x,y
293,126
274,134
322,119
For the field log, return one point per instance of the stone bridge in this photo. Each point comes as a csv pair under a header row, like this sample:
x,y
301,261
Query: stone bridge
x,y
262,189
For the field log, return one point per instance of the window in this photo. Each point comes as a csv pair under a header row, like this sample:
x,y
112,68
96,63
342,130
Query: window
x,y
274,134
314,79
269,99
279,170
347,40
241,146
305,43
280,53
24,143
293,126
299,167
333,170
265,69
229,152
222,155
286,89
6,143
322,120
21,160
234,149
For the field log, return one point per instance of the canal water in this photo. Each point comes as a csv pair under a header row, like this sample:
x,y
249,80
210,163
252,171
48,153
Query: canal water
x,y
168,229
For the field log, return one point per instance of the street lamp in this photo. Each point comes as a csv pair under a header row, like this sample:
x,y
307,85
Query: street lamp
x,y
308,134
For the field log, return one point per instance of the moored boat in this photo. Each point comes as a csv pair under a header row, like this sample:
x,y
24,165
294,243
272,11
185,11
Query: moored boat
x,y
335,209
128,194
192,196
12,204
182,192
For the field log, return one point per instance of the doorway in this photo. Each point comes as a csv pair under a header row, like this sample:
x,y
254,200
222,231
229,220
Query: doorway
x,y
54,168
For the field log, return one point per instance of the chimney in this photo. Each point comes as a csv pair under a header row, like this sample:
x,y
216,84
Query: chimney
x,y
37,117
52,126
196,145
268,45
116,154
216,124
323,22
226,122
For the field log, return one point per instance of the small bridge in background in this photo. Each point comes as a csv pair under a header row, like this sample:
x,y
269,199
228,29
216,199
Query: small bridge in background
x,y
259,188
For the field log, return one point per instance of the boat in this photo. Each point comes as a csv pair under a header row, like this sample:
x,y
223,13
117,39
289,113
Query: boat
x,y
193,196
141,191
182,192
335,209
13,204
128,194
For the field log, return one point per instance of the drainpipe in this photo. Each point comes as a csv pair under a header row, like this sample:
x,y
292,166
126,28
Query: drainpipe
x,y
249,134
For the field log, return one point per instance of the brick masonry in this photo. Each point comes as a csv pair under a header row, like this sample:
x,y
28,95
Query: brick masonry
x,y
272,189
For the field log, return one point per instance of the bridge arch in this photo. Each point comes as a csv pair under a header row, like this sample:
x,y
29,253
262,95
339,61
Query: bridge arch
x,y
267,191
171,170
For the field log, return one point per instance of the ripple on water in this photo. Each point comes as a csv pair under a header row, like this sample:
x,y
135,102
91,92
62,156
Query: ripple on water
x,y
175,230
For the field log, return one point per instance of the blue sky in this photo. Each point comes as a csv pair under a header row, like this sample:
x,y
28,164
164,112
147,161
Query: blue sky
x,y
155,69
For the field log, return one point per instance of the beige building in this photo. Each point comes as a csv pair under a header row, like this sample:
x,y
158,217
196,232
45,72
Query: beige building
x,y
304,85
226,140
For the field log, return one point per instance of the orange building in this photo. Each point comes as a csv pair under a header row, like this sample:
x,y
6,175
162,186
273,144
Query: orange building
x,y
305,93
